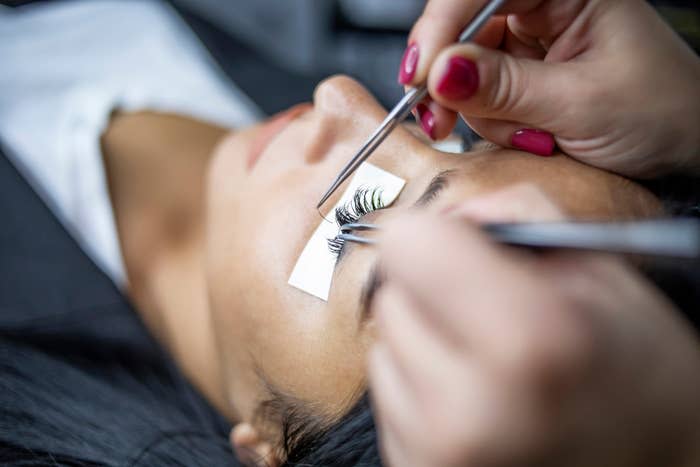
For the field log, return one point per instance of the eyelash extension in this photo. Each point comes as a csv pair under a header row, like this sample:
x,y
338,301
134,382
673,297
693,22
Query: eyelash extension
x,y
364,201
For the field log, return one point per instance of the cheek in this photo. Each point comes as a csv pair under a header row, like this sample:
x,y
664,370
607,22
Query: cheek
x,y
256,227
227,165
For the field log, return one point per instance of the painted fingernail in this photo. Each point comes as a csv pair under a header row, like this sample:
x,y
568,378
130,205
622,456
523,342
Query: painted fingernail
x,y
460,80
426,119
409,62
537,142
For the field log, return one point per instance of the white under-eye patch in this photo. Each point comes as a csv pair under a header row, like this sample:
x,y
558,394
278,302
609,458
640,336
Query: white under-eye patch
x,y
314,269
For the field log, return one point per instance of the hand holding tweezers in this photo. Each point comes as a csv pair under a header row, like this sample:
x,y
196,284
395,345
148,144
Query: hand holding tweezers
x,y
405,105
674,238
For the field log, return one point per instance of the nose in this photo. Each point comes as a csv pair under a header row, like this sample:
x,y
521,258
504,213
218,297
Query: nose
x,y
341,97
346,114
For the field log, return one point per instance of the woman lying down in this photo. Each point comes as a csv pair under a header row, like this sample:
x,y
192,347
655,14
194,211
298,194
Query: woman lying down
x,y
211,222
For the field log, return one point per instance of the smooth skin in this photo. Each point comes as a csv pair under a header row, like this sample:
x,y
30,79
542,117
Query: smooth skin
x,y
209,241
610,80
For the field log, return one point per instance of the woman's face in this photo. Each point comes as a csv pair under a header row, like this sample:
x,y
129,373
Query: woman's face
x,y
263,188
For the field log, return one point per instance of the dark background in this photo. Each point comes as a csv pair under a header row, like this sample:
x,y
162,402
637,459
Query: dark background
x,y
278,50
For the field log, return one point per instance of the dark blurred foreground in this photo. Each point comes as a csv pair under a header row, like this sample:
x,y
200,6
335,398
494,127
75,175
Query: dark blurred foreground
x,y
277,51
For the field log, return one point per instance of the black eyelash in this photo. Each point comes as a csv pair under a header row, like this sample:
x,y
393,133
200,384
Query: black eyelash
x,y
364,201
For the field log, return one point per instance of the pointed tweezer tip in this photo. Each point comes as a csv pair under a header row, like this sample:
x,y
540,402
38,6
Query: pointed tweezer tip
x,y
334,186
324,199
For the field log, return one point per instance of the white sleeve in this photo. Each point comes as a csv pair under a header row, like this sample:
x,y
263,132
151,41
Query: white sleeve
x,y
65,67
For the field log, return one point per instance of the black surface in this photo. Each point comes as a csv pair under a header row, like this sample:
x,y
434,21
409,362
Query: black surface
x,y
78,369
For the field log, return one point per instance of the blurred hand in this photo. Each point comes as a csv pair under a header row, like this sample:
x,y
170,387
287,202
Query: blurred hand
x,y
609,79
489,356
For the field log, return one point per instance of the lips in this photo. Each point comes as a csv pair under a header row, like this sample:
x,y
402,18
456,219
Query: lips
x,y
272,128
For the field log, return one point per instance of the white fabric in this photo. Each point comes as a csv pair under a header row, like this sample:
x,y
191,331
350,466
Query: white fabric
x,y
65,67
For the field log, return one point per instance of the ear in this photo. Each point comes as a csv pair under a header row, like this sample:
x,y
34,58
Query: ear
x,y
250,449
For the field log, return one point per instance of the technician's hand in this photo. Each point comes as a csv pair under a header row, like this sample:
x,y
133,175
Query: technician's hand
x,y
609,79
488,356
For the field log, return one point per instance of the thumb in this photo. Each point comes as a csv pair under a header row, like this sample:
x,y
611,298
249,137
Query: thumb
x,y
481,82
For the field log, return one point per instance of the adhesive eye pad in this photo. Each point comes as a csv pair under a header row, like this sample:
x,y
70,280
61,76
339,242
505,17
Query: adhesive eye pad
x,y
313,271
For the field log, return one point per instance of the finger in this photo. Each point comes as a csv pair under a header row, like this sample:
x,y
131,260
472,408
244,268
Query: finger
x,y
577,274
389,393
436,121
548,22
396,415
521,47
440,25
480,82
493,32
524,202
423,357
514,135
394,452
487,299
451,270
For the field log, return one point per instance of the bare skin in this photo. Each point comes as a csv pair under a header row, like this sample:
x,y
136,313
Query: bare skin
x,y
200,230
156,166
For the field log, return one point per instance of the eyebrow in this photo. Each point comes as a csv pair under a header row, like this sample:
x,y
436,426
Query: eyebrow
x,y
435,187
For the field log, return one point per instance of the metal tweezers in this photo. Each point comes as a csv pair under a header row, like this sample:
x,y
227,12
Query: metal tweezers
x,y
673,238
404,107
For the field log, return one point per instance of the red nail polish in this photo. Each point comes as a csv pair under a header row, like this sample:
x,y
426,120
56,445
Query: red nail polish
x,y
409,63
537,142
426,119
460,80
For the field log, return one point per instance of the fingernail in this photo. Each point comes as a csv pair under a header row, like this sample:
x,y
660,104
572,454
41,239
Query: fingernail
x,y
409,62
460,80
537,142
426,119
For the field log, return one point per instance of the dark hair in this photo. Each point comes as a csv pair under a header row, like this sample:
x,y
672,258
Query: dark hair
x,y
679,280
680,195
352,441
63,401
310,439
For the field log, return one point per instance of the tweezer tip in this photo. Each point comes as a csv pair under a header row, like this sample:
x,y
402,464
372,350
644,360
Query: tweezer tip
x,y
323,200
328,194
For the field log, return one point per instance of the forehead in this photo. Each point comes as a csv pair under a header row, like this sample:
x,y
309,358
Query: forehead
x,y
581,191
